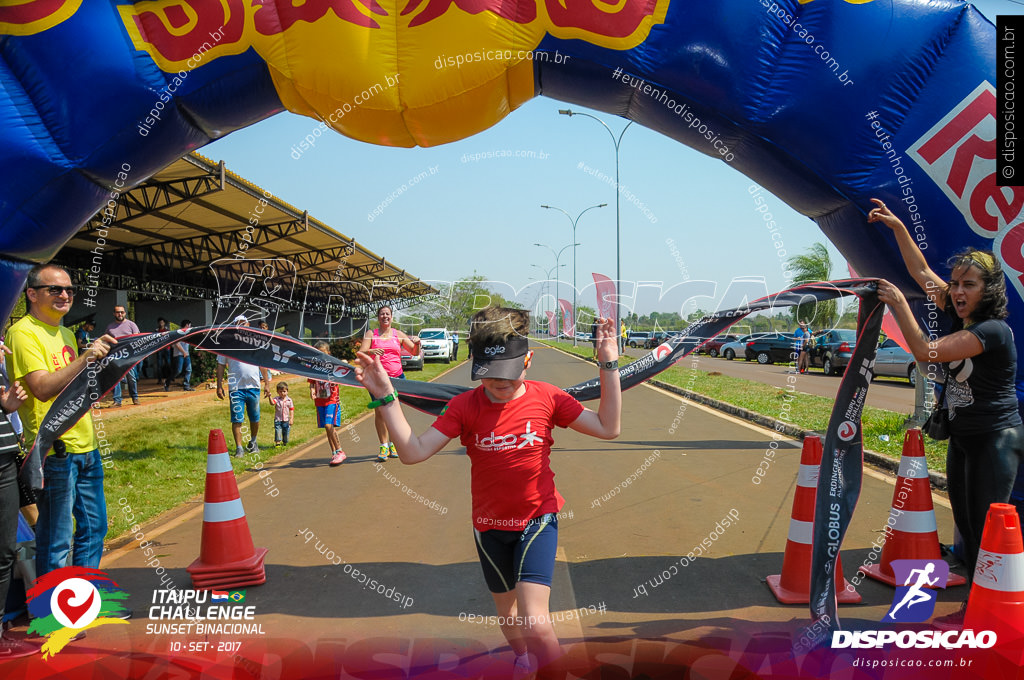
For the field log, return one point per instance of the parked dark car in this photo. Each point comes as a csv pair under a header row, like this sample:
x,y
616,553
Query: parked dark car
x,y
831,350
738,347
656,339
713,347
775,348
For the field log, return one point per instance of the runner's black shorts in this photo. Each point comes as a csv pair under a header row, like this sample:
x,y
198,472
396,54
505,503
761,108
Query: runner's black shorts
x,y
508,557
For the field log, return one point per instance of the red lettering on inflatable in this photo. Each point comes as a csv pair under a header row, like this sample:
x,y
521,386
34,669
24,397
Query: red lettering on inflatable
x,y
964,159
954,154
29,12
519,12
962,123
986,190
612,19
274,18
1009,248
215,23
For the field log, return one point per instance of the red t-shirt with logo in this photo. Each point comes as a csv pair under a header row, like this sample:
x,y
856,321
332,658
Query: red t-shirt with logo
x,y
509,446
326,393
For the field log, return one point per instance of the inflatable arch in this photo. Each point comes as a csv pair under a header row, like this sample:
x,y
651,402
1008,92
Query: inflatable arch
x,y
824,103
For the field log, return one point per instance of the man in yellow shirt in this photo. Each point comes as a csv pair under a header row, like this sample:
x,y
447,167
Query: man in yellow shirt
x,y
44,360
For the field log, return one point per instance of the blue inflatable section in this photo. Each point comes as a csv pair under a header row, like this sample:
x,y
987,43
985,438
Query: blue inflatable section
x,y
824,103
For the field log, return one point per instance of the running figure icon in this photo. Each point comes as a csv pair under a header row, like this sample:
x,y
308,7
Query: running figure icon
x,y
916,594
920,579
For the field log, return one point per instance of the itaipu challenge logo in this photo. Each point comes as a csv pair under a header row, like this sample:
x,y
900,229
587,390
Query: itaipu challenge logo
x,y
70,600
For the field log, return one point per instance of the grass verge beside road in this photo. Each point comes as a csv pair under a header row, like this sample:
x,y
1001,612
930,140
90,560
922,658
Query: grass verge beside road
x,y
159,451
883,430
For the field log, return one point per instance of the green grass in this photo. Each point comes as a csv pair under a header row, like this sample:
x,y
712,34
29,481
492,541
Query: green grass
x,y
159,453
805,411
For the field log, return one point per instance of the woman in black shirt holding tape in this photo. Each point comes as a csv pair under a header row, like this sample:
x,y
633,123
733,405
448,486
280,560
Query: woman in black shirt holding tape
x,y
986,442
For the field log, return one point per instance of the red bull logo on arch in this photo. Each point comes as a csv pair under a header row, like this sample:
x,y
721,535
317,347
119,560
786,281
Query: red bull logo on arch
x,y
171,31
35,16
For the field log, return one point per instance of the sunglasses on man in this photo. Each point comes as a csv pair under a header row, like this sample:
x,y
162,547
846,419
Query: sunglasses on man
x,y
57,290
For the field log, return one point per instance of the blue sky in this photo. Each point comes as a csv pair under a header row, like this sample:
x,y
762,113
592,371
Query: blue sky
x,y
483,216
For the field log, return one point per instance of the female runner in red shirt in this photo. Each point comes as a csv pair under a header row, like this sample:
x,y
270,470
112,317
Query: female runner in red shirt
x,y
505,425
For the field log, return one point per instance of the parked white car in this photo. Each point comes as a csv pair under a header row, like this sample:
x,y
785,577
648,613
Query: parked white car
x,y
437,344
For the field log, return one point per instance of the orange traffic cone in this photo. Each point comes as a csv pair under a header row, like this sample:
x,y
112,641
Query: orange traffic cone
x,y
793,586
227,558
914,532
996,602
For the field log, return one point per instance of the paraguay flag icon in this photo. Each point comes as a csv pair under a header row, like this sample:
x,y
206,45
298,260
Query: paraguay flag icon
x,y
218,596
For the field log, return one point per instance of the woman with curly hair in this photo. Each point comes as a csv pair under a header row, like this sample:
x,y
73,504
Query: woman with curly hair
x,y
986,442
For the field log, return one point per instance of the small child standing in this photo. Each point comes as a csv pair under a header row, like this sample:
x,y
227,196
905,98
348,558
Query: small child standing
x,y
284,414
328,410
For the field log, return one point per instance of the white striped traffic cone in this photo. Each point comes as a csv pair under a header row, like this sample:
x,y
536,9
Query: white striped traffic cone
x,y
793,586
915,533
996,602
227,557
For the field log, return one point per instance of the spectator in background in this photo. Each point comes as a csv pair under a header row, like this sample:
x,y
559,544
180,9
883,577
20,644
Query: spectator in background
x,y
244,392
45,361
183,360
803,337
83,336
455,345
328,410
386,342
10,501
13,417
986,435
121,327
284,414
164,359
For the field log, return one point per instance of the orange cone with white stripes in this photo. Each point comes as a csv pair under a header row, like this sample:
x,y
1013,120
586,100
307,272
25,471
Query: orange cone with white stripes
x,y
996,602
227,557
793,586
911,531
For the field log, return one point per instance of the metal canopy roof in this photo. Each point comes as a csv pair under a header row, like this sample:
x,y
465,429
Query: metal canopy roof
x,y
194,228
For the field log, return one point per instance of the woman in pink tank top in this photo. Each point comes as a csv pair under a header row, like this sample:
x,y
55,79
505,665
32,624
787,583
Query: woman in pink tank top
x,y
386,342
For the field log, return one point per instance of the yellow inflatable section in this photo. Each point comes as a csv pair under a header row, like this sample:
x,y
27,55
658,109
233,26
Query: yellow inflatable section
x,y
394,72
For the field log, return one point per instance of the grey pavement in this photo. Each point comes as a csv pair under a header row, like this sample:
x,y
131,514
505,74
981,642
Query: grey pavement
x,y
699,469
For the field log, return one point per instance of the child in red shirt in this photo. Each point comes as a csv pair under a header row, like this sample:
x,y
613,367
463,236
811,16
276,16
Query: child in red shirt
x,y
328,410
505,425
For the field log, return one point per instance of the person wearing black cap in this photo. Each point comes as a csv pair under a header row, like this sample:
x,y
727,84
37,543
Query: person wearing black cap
x,y
83,336
506,426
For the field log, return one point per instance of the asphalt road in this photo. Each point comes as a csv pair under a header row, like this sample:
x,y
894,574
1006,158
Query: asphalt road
x,y
892,394
323,519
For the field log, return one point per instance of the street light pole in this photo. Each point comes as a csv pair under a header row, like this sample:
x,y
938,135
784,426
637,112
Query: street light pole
x,y
547,280
574,222
558,256
618,260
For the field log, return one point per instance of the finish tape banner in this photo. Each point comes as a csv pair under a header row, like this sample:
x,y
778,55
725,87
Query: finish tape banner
x,y
842,459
